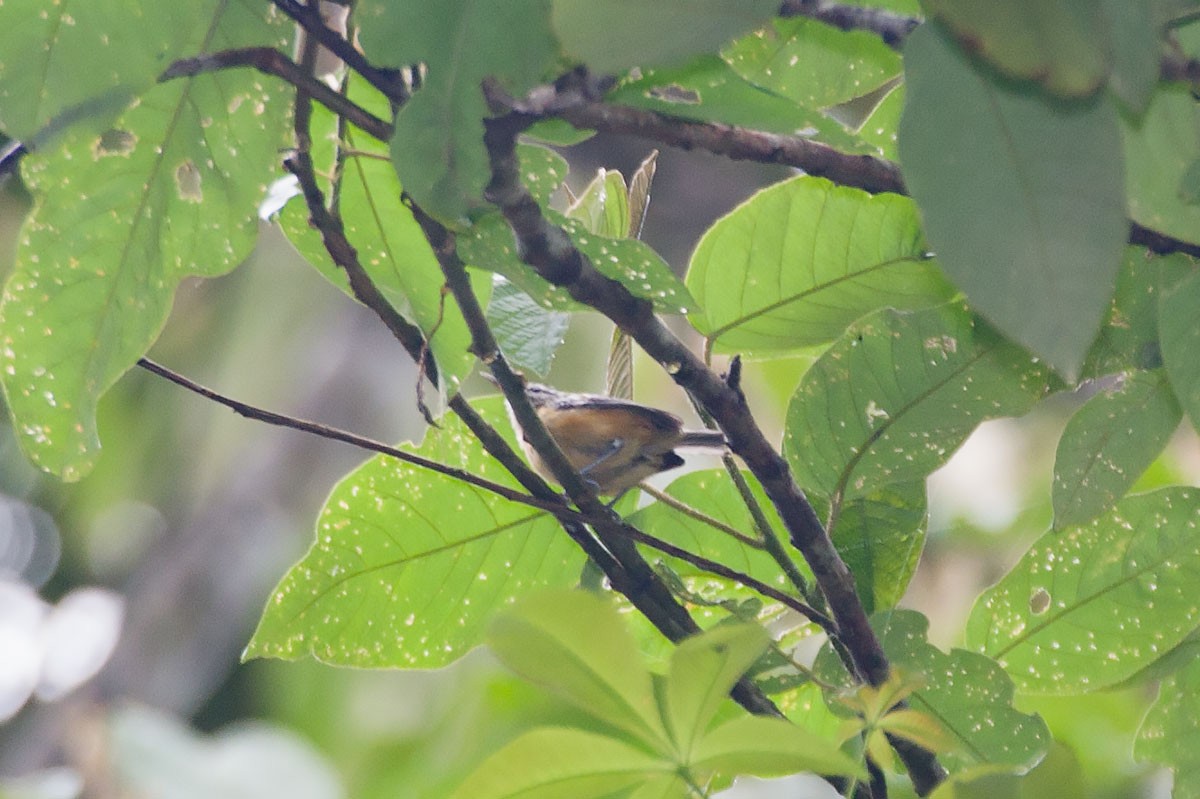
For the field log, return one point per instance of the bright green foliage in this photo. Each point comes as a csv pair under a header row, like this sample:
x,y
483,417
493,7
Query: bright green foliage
x,y
170,192
998,172
603,206
371,592
1109,442
812,64
614,35
1089,606
894,397
1160,148
1063,44
1171,730
527,333
662,741
437,147
801,260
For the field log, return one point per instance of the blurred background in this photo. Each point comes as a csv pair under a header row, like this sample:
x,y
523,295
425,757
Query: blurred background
x,y
127,598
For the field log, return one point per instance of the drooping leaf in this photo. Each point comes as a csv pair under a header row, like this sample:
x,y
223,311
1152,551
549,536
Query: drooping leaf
x,y
1160,146
813,64
553,762
528,334
610,36
170,192
1062,44
894,397
437,147
1179,336
1000,197
409,565
798,262
1109,442
1090,605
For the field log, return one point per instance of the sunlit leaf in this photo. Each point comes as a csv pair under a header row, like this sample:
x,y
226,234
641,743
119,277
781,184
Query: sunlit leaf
x,y
409,565
766,747
170,192
603,205
798,262
1090,605
1000,197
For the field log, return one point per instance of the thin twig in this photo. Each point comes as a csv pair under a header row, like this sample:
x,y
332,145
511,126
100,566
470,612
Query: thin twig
x,y
703,518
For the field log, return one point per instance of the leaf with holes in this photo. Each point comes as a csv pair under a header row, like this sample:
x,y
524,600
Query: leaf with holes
x,y
799,261
894,397
409,565
1109,442
169,193
1090,605
1000,197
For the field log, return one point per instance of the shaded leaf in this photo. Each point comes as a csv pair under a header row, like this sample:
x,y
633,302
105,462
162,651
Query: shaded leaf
x,y
1169,734
1179,336
1087,607
103,251
1000,198
1109,442
1135,51
893,398
799,261
409,565
613,35
1160,146
1062,44
528,334
880,537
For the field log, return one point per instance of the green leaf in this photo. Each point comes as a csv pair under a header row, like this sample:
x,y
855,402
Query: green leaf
x,y
610,36
1180,336
1038,263
542,170
1160,146
528,334
121,220
880,537
1109,442
555,762
62,64
799,261
813,64
708,90
1062,44
703,670
603,205
968,693
765,747
575,644
1169,734
1135,42
409,565
437,147
893,398
879,129
1087,607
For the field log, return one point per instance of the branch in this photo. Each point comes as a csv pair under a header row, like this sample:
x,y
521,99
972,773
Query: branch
x,y
388,81
272,62
889,26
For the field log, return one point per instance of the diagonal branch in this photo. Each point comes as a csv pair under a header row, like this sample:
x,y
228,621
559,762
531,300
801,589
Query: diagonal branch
x,y
891,27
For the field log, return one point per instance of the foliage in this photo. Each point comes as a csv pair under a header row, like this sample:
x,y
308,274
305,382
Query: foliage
x,y
1044,145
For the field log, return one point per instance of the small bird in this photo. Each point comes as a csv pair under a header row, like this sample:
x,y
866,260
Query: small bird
x,y
614,443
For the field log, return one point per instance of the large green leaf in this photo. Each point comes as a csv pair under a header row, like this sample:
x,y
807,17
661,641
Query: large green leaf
x,y
812,64
799,261
62,63
527,333
768,747
893,398
614,35
1090,605
1109,442
1169,734
575,644
171,192
1062,44
409,565
880,537
1135,47
1179,335
437,147
1160,147
998,172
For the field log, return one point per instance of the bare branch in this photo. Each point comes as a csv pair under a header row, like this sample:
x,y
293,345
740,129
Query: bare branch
x,y
891,27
